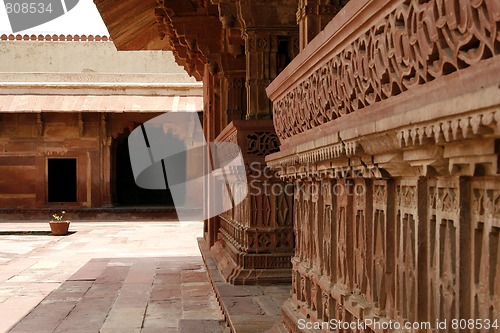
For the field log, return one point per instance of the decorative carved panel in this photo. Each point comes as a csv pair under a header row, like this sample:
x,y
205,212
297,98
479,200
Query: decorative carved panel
x,y
362,237
443,249
406,249
344,258
485,249
383,245
262,143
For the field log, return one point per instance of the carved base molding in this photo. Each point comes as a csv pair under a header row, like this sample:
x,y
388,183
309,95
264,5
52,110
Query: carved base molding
x,y
240,267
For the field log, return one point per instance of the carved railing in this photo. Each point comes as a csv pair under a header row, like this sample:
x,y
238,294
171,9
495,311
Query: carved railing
x,y
376,50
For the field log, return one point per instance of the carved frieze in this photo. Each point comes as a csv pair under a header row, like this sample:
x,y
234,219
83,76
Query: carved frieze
x,y
414,44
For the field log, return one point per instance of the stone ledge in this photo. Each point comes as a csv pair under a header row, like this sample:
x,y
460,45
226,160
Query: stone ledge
x,y
109,214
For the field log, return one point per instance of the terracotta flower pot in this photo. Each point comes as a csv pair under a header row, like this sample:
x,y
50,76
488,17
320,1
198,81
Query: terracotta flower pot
x,y
59,228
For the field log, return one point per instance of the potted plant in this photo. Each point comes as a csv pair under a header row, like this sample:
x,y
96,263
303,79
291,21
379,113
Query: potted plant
x,y
58,227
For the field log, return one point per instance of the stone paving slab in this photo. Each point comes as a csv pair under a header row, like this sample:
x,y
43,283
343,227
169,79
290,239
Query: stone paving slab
x,y
109,304
199,326
119,268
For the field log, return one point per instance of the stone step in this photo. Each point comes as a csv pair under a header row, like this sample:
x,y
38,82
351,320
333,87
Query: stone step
x,y
246,308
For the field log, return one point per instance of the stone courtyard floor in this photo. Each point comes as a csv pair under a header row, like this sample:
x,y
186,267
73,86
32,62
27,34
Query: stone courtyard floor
x,y
106,277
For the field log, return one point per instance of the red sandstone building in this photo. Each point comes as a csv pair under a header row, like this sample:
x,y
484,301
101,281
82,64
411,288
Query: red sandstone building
x,y
398,99
67,105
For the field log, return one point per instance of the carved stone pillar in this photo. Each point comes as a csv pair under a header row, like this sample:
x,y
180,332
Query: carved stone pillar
x,y
267,54
232,75
255,239
242,47
261,51
212,126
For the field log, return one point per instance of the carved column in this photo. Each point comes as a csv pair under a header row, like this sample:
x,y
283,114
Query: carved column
x,y
269,45
234,97
261,49
212,126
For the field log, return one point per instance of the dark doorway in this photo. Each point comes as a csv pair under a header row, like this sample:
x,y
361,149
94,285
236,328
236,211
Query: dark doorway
x,y
126,191
62,179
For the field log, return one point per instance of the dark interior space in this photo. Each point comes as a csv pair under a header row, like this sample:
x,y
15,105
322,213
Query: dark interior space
x,y
62,180
127,193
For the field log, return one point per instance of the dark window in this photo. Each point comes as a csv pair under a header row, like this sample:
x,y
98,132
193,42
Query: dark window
x,y
62,179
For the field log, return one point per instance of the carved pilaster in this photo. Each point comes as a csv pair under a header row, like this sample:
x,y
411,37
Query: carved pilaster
x,y
261,51
445,225
484,251
314,15
39,124
80,124
383,229
233,90
269,47
409,235
105,168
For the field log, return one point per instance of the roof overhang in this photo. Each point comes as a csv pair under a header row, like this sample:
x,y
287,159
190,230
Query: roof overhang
x,y
132,24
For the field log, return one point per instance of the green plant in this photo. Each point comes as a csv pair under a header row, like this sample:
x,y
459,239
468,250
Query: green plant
x,y
58,217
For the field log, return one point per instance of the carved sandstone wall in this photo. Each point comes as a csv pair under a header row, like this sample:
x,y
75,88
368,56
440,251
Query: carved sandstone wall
x,y
388,123
28,140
